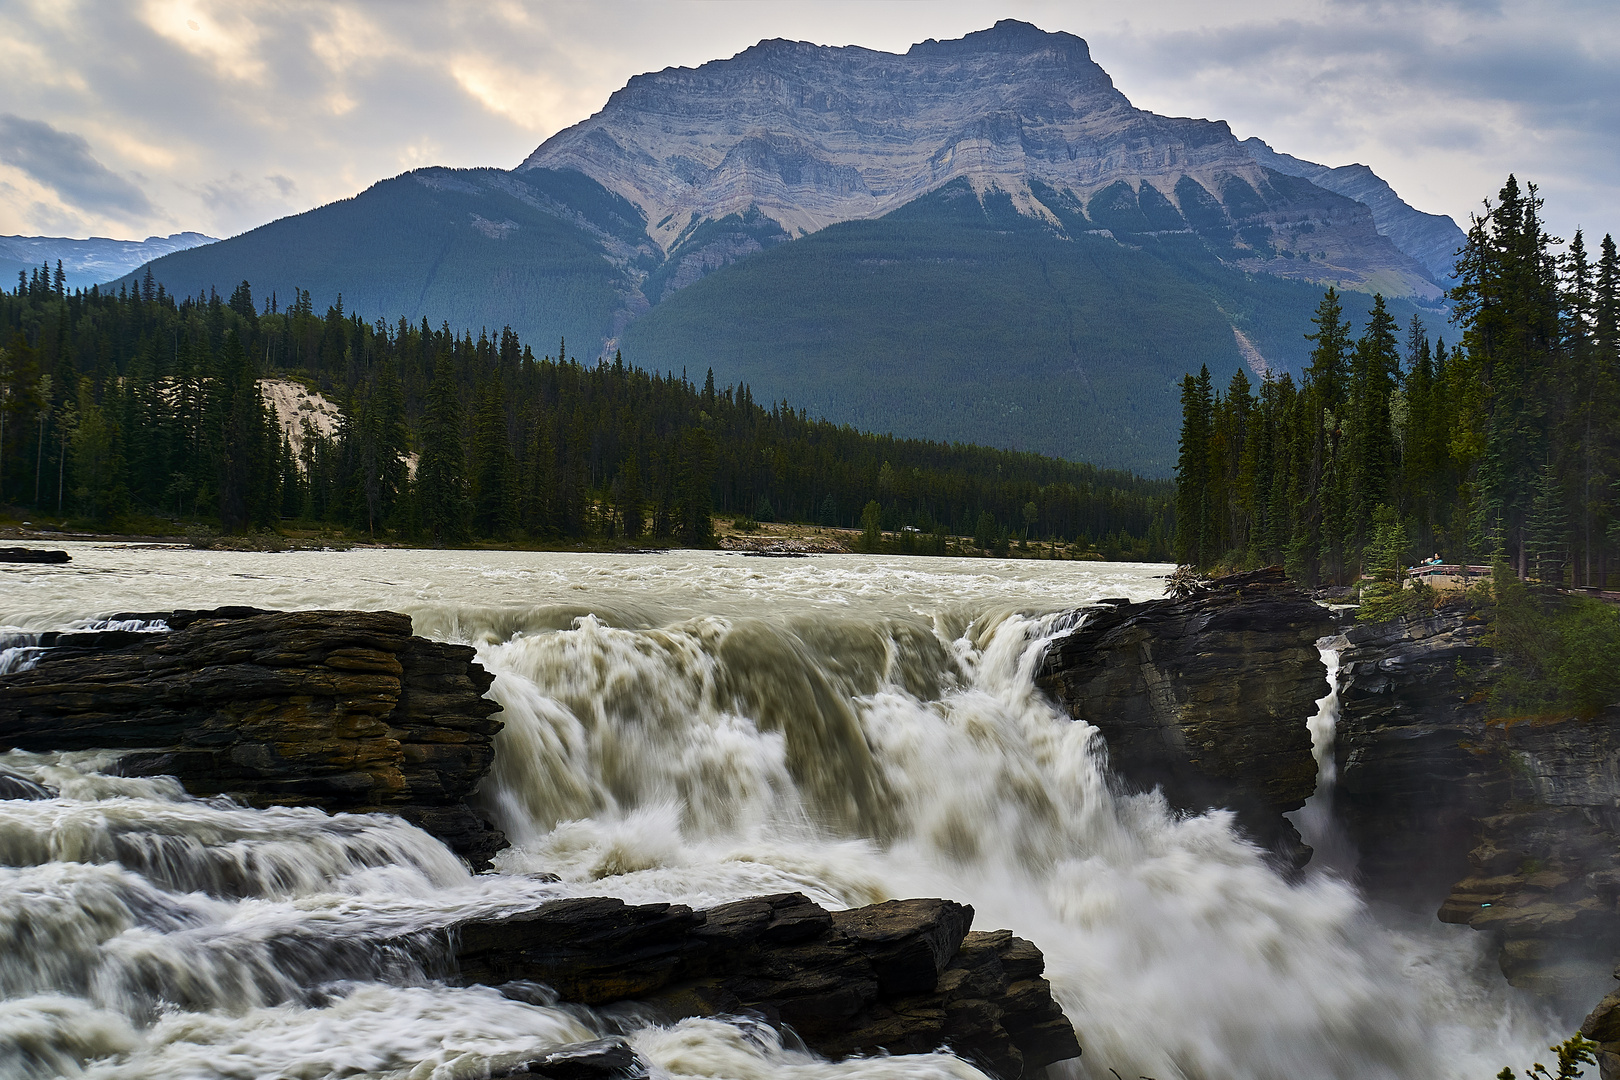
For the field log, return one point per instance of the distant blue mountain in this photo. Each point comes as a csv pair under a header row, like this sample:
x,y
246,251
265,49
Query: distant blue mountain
x,y
89,262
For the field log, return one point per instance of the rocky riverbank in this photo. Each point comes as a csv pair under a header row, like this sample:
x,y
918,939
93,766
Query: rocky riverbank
x,y
1511,826
1514,821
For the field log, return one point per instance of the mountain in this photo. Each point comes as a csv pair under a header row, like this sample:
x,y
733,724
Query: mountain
x,y
805,136
545,252
89,262
1431,239
979,240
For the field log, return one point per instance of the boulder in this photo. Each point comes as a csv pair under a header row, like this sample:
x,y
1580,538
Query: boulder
x,y
904,976
343,710
16,786
1205,697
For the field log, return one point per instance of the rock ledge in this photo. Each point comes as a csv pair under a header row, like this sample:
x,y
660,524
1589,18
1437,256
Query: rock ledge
x,y
342,710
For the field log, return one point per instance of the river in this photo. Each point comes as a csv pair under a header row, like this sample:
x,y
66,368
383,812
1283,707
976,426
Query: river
x,y
696,727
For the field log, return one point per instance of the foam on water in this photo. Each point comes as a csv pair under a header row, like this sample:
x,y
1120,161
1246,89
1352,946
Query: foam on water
x,y
694,727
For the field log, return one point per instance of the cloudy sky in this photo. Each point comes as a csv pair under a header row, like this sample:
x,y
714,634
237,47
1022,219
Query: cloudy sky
x,y
127,118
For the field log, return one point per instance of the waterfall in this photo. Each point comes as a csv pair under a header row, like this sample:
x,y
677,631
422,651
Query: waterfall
x,y
694,728
1332,850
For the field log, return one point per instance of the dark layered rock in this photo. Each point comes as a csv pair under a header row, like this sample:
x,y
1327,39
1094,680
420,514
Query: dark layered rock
x,y
1602,1026
1544,873
905,976
1511,824
1206,697
1412,777
342,710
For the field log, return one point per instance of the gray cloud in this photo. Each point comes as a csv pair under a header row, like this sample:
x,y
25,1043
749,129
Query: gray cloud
x,y
62,161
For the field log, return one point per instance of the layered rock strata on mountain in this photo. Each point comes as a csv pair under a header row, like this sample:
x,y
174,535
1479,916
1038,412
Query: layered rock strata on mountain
x,y
1515,821
1432,239
1206,697
342,710
906,976
787,137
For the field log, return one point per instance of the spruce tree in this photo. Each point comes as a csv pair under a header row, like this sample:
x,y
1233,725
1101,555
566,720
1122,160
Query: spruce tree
x,y
1507,301
1194,542
495,494
443,500
1369,458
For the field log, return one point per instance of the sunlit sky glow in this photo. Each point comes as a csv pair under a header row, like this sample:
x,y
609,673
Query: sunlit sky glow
x,y
156,116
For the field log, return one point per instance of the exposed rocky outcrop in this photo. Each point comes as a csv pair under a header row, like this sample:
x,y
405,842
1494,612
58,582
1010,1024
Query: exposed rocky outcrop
x,y
905,976
1206,697
1515,822
344,710
1544,873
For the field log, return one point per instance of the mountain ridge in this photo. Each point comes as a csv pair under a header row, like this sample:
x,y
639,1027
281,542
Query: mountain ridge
x,y
94,261
810,135
1431,239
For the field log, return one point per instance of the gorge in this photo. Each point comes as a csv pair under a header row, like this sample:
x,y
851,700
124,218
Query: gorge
x,y
686,731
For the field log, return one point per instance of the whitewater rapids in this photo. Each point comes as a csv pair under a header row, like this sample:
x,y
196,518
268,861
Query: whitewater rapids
x,y
694,727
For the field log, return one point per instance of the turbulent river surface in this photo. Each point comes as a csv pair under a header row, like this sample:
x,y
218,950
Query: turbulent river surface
x,y
696,727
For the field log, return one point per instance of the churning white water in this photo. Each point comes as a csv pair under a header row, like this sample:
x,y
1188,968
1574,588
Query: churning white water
x,y
692,727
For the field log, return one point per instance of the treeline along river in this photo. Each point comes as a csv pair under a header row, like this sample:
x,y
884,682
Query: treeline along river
x,y
136,403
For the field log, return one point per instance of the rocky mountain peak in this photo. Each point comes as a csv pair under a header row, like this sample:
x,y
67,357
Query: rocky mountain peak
x,y
1010,36
788,137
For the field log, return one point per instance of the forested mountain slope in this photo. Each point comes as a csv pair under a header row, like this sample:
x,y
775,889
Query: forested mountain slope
x,y
1005,250
960,319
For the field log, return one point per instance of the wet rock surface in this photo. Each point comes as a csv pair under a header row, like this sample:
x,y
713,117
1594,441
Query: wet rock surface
x,y
906,976
600,1059
342,710
33,555
1514,821
1412,776
1205,697
1602,1026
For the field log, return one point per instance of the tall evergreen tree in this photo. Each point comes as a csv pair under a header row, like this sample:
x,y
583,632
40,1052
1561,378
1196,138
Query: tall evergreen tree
x,y
495,481
1507,300
1194,540
443,500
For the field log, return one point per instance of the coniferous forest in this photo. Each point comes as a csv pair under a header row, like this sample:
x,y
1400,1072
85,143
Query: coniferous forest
x,y
1502,445
135,404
